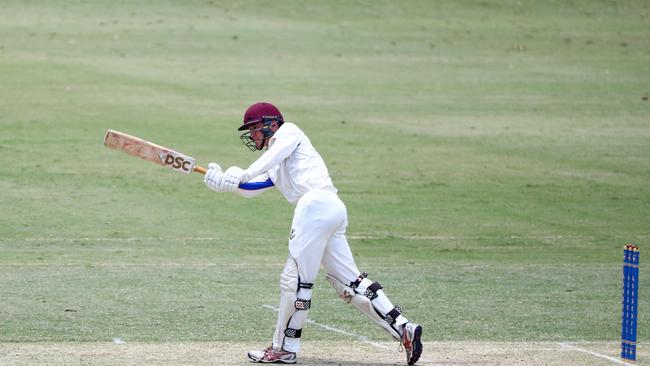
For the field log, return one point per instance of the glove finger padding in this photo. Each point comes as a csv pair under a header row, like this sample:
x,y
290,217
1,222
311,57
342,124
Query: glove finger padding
x,y
213,179
234,170
231,179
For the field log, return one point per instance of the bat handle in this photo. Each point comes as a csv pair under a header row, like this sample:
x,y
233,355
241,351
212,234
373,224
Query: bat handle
x,y
200,169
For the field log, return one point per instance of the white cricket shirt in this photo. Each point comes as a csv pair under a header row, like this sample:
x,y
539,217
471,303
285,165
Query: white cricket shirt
x,y
292,164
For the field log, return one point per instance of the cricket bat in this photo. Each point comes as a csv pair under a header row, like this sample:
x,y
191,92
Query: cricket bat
x,y
149,151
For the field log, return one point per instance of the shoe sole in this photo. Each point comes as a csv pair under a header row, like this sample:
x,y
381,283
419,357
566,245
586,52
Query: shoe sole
x,y
257,360
417,345
252,358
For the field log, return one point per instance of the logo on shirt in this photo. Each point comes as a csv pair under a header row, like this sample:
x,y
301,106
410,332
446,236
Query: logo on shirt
x,y
292,234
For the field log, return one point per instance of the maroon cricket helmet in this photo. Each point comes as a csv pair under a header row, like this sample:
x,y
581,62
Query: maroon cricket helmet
x,y
260,112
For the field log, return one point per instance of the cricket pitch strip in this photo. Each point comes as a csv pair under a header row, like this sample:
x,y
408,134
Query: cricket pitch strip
x,y
344,353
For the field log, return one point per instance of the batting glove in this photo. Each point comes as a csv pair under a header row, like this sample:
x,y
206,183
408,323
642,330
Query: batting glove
x,y
213,177
231,179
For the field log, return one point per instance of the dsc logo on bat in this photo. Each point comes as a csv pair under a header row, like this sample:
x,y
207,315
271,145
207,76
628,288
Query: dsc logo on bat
x,y
177,161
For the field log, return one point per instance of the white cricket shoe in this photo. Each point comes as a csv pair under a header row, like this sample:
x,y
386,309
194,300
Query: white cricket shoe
x,y
411,342
269,355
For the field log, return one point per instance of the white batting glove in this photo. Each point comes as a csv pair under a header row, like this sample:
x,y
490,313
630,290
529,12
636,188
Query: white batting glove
x,y
231,179
213,177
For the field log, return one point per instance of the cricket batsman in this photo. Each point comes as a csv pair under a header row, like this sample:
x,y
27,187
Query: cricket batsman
x,y
292,165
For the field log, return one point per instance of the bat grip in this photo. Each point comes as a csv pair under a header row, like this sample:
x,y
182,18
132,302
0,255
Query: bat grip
x,y
200,169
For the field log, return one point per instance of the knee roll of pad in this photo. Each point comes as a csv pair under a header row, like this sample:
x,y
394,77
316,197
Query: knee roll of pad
x,y
289,279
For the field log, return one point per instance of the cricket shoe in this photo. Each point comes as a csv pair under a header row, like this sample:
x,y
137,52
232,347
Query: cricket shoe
x,y
269,355
411,342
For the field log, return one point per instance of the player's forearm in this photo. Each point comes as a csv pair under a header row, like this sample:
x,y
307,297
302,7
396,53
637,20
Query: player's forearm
x,y
280,150
255,186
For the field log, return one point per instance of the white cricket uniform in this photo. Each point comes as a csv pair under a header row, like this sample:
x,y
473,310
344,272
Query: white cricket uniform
x,y
317,234
320,218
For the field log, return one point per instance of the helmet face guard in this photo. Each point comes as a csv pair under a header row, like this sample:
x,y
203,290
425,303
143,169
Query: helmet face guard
x,y
267,121
263,112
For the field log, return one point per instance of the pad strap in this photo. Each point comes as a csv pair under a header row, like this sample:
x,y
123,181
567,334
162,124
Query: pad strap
x,y
293,333
371,291
392,315
305,285
302,304
354,284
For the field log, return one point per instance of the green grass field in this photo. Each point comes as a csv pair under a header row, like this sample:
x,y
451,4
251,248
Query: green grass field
x,y
494,158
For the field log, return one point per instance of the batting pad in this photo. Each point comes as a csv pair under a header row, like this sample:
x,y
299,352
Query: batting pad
x,y
362,303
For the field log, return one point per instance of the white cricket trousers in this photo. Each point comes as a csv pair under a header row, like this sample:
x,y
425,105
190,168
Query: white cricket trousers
x,y
318,230
317,238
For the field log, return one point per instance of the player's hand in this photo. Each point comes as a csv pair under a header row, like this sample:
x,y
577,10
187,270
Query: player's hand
x,y
231,179
213,177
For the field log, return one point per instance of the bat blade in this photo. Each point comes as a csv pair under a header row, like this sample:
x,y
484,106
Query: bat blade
x,y
152,152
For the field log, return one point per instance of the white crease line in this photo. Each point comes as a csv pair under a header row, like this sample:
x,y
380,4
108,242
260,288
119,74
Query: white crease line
x,y
207,238
363,339
475,237
126,265
596,354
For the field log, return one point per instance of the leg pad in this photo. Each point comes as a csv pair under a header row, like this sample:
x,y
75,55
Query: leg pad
x,y
362,303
